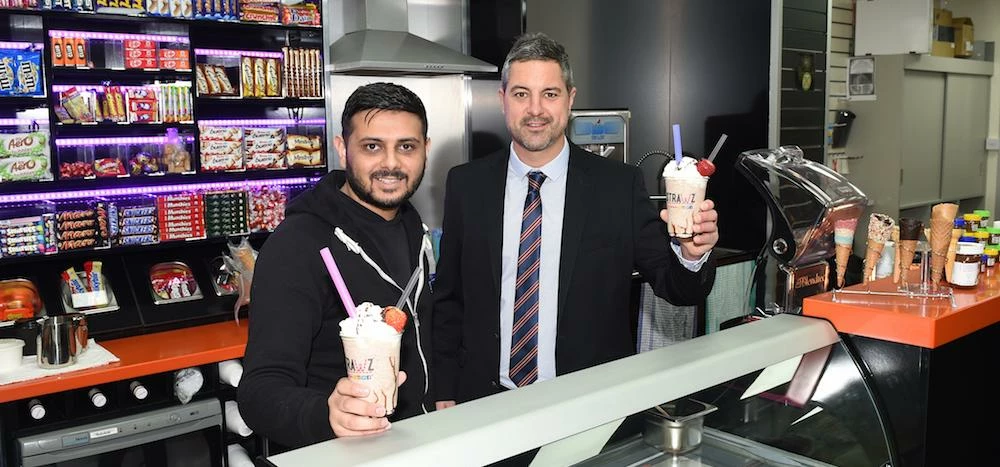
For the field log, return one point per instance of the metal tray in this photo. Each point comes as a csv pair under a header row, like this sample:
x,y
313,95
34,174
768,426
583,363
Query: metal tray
x,y
67,298
175,265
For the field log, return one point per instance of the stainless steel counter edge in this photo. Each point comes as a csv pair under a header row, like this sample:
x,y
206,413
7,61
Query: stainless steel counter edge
x,y
497,427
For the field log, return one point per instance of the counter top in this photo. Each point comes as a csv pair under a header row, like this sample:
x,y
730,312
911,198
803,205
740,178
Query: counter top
x,y
144,355
923,322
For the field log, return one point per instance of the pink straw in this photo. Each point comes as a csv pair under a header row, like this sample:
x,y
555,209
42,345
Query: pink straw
x,y
338,280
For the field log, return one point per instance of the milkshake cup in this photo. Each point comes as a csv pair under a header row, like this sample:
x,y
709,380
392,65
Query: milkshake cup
x,y
684,187
371,353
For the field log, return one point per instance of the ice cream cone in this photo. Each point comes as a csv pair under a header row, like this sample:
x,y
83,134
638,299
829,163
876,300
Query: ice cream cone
x,y
843,255
895,257
880,228
942,221
952,251
843,238
872,255
909,235
907,250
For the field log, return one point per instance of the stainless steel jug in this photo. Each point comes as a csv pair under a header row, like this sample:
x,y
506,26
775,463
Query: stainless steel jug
x,y
61,339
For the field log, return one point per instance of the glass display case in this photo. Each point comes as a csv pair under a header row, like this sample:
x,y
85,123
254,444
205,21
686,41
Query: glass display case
x,y
778,391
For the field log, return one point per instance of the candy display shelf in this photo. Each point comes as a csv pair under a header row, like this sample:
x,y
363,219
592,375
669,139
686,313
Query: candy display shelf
x,y
119,128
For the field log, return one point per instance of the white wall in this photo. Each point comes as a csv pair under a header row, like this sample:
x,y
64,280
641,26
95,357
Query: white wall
x,y
985,16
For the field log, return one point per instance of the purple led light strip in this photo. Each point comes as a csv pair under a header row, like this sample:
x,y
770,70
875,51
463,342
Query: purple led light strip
x,y
238,53
139,190
263,122
99,87
70,142
21,45
119,36
22,121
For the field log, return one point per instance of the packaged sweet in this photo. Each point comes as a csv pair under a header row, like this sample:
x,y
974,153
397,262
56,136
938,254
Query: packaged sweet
x,y
225,86
272,85
20,73
246,76
304,14
25,157
241,260
143,163
109,167
304,158
219,133
201,81
259,77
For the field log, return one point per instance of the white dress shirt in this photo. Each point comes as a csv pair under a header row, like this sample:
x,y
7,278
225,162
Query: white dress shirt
x,y
553,193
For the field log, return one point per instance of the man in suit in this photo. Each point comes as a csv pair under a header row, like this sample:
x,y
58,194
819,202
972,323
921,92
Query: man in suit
x,y
540,242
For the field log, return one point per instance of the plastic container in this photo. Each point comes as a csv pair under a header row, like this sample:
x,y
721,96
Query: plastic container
x,y
968,258
994,235
984,217
972,222
992,253
11,351
982,236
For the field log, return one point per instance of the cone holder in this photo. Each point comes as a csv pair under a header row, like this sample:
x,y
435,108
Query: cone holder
x,y
924,290
911,291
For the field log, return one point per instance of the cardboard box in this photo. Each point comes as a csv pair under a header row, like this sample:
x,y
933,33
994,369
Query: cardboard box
x,y
963,37
943,34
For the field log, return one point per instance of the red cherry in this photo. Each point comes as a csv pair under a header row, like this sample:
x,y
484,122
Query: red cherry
x,y
394,317
705,167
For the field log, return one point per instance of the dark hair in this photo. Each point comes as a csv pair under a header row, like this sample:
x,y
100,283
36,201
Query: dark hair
x,y
537,46
379,97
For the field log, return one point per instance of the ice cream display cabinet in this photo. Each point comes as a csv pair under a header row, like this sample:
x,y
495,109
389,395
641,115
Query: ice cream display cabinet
x,y
142,144
779,391
805,200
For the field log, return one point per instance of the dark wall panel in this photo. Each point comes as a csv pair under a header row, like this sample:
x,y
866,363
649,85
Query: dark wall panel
x,y
819,6
806,20
690,62
799,99
804,47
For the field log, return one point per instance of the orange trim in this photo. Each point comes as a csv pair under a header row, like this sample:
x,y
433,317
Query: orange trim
x,y
927,323
144,355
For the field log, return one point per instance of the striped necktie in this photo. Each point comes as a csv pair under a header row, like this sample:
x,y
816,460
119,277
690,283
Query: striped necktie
x,y
524,337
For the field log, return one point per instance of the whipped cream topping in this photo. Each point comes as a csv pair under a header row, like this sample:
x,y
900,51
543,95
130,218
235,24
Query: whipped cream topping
x,y
367,322
686,169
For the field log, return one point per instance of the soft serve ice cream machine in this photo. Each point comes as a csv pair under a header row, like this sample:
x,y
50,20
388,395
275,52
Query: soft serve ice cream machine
x,y
805,199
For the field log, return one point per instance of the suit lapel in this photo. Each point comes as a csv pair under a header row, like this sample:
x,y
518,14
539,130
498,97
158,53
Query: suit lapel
x,y
496,180
578,193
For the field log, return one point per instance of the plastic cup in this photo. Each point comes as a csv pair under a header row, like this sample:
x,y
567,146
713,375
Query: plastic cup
x,y
238,456
886,262
374,362
684,196
11,351
234,421
230,372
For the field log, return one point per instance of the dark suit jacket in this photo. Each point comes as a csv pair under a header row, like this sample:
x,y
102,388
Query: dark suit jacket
x,y
610,229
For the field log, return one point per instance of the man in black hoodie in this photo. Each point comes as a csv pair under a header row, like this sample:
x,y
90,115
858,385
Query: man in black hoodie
x,y
294,389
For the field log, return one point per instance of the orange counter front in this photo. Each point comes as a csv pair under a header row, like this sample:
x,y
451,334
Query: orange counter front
x,y
144,355
923,322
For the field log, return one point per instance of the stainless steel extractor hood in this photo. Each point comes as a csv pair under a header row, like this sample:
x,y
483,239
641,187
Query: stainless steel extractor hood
x,y
378,40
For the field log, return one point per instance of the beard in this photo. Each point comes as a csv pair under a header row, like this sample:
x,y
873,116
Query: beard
x,y
535,141
368,195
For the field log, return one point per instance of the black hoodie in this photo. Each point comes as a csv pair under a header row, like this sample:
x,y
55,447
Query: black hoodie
x,y
294,356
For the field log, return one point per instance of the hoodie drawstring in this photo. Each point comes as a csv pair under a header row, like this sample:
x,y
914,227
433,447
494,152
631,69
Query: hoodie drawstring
x,y
355,248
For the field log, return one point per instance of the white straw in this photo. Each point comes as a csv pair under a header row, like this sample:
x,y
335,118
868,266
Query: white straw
x,y
409,288
718,146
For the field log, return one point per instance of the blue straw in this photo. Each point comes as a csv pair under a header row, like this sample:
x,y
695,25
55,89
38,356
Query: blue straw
x,y
678,152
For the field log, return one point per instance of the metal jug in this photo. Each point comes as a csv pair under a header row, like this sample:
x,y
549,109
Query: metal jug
x,y
61,339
